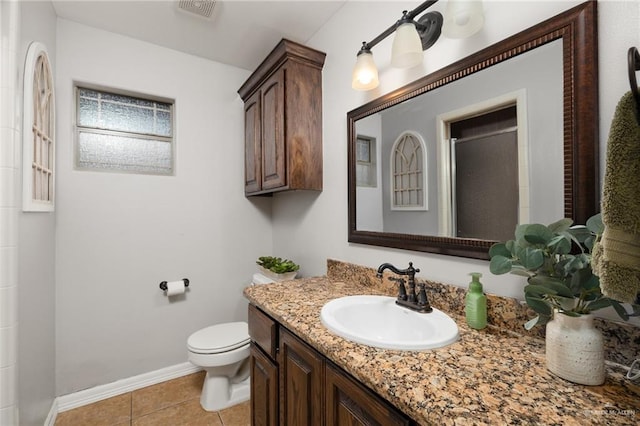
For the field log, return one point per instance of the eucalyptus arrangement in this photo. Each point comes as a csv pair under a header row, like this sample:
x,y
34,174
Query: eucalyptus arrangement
x,y
556,260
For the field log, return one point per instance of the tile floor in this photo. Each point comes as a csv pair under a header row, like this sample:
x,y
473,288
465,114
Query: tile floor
x,y
172,403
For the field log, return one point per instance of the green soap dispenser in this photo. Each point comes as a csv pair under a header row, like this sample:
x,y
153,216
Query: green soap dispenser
x,y
476,303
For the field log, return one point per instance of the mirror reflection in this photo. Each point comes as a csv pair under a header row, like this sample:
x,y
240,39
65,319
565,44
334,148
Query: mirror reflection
x,y
469,159
450,162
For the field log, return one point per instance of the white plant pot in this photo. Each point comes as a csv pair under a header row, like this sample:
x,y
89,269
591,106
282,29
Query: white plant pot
x,y
575,349
278,277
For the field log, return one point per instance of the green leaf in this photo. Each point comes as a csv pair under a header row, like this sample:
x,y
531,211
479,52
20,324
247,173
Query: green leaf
x,y
541,306
566,303
537,234
520,231
571,237
553,285
574,263
531,323
500,265
588,280
590,242
561,225
560,245
532,258
595,225
584,280
499,249
520,270
580,233
600,303
538,290
539,320
620,310
570,314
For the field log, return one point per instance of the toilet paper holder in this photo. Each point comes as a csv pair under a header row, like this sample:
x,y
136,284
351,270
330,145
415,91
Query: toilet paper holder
x,y
163,284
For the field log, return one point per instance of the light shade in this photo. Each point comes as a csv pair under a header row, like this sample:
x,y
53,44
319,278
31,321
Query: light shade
x,y
462,18
365,73
406,51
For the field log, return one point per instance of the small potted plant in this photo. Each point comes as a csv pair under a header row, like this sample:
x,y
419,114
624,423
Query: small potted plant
x,y
563,291
278,269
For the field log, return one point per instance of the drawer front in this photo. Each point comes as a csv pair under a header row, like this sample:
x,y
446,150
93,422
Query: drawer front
x,y
263,330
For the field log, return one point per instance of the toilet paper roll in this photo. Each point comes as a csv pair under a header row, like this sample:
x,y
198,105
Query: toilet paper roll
x,y
175,287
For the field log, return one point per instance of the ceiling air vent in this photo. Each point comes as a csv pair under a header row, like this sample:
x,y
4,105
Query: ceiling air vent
x,y
198,7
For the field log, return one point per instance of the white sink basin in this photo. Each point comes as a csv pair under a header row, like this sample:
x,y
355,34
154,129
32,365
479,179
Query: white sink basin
x,y
377,321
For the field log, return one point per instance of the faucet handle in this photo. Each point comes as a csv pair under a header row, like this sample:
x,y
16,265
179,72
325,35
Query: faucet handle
x,y
402,291
423,301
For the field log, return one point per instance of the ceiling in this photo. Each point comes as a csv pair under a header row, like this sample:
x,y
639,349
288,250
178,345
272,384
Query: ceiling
x,y
239,33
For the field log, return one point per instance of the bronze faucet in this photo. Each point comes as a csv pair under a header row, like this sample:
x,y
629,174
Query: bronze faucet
x,y
408,299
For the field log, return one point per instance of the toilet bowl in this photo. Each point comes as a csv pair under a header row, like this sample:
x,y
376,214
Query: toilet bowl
x,y
223,352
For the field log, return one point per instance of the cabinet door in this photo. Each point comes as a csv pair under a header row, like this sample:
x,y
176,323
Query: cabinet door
x,y
301,382
273,142
264,389
348,403
252,144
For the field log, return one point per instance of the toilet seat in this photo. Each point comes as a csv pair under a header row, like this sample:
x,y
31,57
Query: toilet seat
x,y
219,338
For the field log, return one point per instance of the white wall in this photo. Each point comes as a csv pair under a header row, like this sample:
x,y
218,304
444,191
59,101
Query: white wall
x,y
298,217
369,215
120,235
9,178
36,260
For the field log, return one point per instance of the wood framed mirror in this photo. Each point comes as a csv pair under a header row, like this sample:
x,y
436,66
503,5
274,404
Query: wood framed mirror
x,y
574,32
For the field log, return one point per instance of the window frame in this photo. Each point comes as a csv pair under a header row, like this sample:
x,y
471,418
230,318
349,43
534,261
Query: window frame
x,y
35,51
372,164
78,85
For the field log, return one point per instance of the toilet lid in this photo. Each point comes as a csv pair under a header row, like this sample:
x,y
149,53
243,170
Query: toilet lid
x,y
219,338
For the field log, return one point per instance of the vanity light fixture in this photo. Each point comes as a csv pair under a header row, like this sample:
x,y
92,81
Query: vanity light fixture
x,y
463,19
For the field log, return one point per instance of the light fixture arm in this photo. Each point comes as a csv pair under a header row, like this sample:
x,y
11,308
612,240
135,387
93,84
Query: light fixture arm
x,y
406,17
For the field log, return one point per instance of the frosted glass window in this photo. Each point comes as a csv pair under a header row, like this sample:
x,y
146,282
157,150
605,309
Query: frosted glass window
x,y
408,174
117,132
39,132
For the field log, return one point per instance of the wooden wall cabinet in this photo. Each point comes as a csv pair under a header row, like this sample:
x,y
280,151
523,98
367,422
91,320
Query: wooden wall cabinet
x,y
283,121
312,391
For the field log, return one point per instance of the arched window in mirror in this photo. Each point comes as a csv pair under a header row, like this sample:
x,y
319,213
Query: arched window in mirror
x,y
38,131
408,172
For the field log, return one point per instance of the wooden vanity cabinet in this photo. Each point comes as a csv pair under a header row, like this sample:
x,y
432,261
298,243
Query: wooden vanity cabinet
x,y
311,390
350,403
283,121
301,382
264,388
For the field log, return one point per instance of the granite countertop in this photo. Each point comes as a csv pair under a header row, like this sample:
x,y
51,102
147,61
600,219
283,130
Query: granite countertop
x,y
489,376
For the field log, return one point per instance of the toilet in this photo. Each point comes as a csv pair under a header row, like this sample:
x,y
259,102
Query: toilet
x,y
222,351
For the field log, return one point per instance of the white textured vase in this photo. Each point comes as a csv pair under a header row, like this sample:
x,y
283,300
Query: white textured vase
x,y
575,349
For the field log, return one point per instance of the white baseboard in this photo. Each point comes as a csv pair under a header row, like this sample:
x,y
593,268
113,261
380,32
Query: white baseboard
x,y
53,413
98,393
